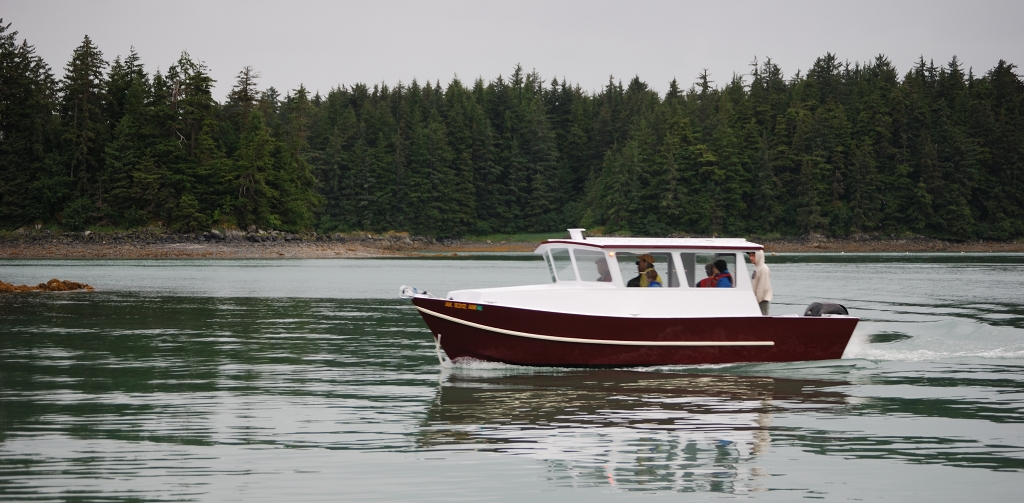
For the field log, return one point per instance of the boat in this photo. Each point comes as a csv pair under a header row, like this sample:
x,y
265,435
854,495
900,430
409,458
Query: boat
x,y
588,316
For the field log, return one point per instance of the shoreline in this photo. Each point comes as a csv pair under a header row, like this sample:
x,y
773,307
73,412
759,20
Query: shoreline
x,y
150,245
871,244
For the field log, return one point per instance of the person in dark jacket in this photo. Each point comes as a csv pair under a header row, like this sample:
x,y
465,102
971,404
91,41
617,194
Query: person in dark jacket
x,y
722,274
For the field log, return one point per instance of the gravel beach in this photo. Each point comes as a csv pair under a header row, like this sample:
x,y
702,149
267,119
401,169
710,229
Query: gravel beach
x,y
239,245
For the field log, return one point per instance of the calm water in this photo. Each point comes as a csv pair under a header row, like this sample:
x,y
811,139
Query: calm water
x,y
308,381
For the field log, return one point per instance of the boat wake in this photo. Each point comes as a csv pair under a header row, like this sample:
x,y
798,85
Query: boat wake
x,y
474,368
934,341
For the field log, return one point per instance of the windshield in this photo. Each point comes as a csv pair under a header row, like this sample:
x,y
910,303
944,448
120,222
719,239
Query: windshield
x,y
593,265
563,264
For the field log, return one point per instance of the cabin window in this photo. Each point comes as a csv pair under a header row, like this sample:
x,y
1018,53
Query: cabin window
x,y
663,263
563,264
593,265
551,268
700,264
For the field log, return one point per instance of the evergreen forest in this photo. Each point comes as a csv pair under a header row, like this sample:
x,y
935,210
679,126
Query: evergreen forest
x,y
840,149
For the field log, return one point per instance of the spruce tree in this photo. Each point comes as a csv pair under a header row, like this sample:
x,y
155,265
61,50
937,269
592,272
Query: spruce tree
x,y
32,182
998,115
234,114
293,179
198,165
543,209
486,172
125,156
430,181
122,76
863,186
336,174
85,127
252,168
460,124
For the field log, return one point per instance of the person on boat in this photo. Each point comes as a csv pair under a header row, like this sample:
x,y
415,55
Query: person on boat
x,y
709,281
761,280
644,263
652,279
723,278
602,269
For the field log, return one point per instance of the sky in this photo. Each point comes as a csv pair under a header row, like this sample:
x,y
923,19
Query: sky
x,y
324,44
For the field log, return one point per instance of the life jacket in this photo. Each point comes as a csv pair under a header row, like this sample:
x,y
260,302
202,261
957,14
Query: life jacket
x,y
712,281
644,282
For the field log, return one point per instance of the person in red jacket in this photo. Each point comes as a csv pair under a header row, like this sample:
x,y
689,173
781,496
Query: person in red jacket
x,y
709,281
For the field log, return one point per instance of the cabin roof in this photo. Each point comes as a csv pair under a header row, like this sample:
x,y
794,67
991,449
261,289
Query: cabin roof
x,y
666,243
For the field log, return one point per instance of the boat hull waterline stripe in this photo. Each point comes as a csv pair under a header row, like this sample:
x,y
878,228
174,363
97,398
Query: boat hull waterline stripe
x,y
594,341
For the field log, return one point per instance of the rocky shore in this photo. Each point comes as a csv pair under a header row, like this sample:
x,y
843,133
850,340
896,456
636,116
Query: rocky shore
x,y
881,244
157,243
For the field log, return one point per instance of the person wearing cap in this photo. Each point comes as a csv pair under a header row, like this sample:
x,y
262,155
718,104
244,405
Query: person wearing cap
x,y
643,263
722,274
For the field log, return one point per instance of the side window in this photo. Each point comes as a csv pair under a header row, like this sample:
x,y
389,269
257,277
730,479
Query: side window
x,y
704,265
665,269
563,264
593,265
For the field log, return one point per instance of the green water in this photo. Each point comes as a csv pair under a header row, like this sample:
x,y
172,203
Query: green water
x,y
309,381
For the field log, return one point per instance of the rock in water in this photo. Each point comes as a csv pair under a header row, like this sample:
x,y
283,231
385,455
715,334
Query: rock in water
x,y
54,285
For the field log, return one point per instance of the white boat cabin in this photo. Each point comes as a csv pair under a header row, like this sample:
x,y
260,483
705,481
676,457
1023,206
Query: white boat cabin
x,y
590,276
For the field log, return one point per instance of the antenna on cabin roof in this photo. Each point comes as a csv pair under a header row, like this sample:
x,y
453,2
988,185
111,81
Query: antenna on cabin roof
x,y
576,234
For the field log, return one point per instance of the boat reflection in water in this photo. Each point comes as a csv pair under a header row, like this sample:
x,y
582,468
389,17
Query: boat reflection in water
x,y
632,429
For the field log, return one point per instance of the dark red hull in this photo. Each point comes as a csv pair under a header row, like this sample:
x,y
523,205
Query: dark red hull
x,y
792,338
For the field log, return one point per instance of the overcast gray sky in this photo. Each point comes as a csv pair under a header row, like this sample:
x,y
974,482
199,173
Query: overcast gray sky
x,y
326,43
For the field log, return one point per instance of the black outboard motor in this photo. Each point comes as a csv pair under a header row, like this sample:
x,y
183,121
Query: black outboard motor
x,y
820,308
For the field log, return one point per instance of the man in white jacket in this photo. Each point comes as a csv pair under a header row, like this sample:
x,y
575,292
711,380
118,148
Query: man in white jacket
x,y
761,280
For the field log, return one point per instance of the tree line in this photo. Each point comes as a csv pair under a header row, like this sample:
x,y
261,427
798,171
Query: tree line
x,y
843,149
